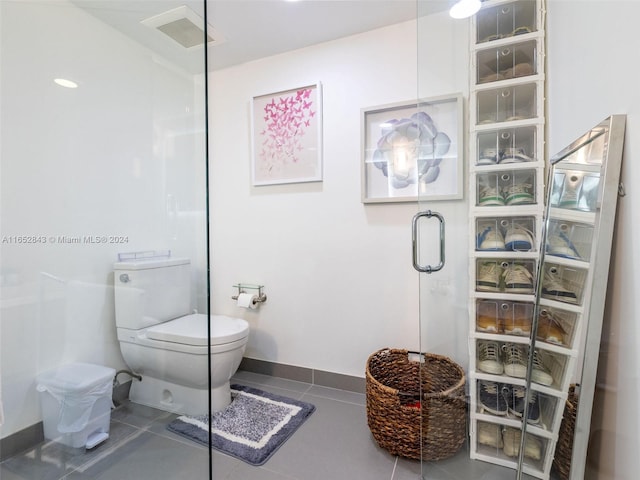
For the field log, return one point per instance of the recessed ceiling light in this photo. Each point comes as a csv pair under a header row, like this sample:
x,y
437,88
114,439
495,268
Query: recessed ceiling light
x,y
63,82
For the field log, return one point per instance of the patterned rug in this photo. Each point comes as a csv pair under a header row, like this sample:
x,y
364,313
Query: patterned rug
x,y
251,428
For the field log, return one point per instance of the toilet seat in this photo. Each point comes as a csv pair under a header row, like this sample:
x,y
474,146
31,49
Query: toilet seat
x,y
188,334
192,330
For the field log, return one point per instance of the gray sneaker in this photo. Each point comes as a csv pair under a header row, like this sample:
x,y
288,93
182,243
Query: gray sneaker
x,y
517,279
489,360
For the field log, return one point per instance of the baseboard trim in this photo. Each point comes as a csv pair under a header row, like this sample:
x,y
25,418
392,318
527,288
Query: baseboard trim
x,y
20,441
302,374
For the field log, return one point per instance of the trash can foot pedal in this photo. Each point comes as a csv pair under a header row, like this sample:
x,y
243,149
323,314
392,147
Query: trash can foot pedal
x,y
95,439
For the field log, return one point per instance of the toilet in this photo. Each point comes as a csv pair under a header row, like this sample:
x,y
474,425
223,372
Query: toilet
x,y
161,340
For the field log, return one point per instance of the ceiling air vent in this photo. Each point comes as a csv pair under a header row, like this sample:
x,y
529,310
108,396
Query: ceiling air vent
x,y
185,27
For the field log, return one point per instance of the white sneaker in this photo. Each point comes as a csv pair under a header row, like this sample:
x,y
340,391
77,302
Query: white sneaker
x,y
540,374
519,194
518,238
514,155
490,196
488,277
517,279
490,238
553,286
515,360
490,434
532,446
489,358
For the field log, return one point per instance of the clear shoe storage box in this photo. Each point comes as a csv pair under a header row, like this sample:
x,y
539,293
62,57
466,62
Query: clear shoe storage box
x,y
506,20
76,404
504,317
505,275
507,62
500,401
506,362
507,104
497,233
506,146
506,188
569,239
575,190
503,442
563,283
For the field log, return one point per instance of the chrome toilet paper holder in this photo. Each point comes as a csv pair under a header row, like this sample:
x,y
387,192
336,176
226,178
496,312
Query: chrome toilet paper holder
x,y
243,287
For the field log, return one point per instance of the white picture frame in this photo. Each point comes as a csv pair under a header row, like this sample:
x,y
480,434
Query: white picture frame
x,y
286,131
413,151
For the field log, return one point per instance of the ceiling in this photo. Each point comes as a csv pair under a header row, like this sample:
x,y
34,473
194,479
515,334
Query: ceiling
x,y
254,29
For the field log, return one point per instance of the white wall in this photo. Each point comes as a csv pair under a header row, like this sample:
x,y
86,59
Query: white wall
x,y
337,273
104,159
592,54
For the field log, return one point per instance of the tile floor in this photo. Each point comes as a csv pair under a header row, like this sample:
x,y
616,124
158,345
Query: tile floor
x,y
333,444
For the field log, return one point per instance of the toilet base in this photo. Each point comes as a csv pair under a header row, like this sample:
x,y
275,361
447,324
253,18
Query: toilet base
x,y
175,398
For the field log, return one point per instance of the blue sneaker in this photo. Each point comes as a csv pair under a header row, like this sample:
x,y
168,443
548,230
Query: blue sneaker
x,y
490,239
515,403
519,238
491,398
489,156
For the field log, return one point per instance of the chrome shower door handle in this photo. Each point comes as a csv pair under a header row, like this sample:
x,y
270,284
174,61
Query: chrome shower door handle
x,y
414,241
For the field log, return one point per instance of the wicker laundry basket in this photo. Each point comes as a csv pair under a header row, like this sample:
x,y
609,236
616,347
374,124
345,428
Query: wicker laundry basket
x,y
416,410
564,447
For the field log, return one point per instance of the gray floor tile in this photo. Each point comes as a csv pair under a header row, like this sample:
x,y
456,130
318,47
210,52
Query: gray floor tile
x,y
334,443
244,471
147,456
407,470
159,427
461,467
137,415
32,468
52,460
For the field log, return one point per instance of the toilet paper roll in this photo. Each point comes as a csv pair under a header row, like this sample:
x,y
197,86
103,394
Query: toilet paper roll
x,y
248,300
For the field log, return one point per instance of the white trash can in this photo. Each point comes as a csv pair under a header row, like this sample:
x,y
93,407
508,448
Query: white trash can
x,y
76,404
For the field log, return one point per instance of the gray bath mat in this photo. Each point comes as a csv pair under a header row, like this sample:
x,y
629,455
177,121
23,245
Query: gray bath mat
x,y
251,428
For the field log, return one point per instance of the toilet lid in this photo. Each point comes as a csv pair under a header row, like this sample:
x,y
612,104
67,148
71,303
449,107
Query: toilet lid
x,y
192,330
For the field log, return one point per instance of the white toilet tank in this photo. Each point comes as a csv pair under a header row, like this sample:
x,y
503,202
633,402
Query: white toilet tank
x,y
151,291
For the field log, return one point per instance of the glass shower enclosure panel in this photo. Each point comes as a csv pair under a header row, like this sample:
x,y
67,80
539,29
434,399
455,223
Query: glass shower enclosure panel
x,y
102,154
440,237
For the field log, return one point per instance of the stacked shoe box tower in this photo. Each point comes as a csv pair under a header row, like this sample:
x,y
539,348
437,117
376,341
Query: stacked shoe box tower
x,y
507,195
